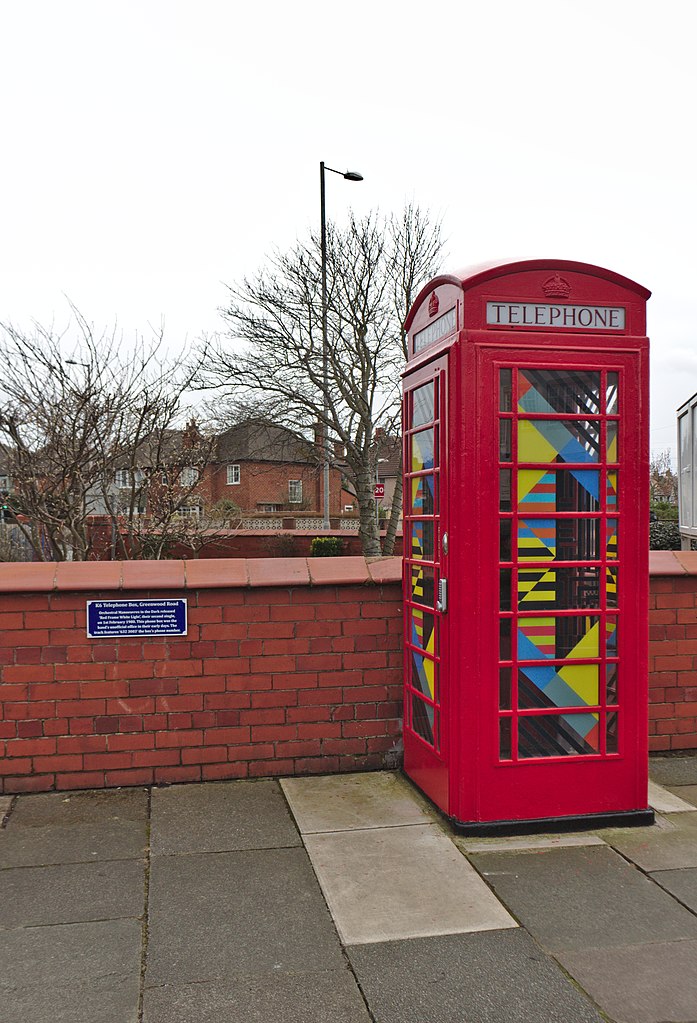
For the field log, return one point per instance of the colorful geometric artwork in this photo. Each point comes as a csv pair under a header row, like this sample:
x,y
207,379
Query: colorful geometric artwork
x,y
612,442
423,630
422,548
557,735
611,491
563,589
422,447
547,686
553,440
422,585
570,392
611,538
423,674
550,490
572,637
422,495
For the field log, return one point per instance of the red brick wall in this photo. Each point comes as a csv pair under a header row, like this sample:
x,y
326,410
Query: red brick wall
x,y
673,651
291,666
288,667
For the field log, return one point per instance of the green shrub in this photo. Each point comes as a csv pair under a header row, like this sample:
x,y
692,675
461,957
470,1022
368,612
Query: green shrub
x,y
664,536
327,547
665,511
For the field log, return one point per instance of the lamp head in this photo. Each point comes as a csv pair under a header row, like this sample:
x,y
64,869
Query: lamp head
x,y
353,176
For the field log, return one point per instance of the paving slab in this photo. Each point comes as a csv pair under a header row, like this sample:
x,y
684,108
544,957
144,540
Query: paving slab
x,y
582,898
353,801
82,843
670,846
686,792
640,983
99,806
261,998
401,882
673,770
519,842
680,883
492,977
219,817
74,973
217,914
664,800
72,893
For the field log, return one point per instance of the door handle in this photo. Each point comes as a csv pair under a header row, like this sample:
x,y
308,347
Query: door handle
x,y
442,602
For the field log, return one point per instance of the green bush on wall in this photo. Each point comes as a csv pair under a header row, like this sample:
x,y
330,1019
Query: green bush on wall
x,y
327,547
664,536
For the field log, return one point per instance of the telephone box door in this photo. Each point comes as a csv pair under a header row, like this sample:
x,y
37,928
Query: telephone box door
x,y
562,723
425,585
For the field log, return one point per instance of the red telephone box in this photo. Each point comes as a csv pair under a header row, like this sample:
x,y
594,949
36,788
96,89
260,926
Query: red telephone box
x,y
526,547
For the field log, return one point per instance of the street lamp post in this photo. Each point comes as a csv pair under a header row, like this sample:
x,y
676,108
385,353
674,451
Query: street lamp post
x,y
349,176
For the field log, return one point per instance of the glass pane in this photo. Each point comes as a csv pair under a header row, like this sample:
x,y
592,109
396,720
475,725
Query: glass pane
x,y
422,533
567,685
559,539
422,447
423,495
504,489
423,674
611,683
505,390
556,390
611,734
550,440
571,636
423,405
422,585
612,491
565,490
562,589
423,631
505,639
505,589
558,735
505,539
422,719
505,440
611,637
611,586
611,538
505,739
505,688
612,453
612,394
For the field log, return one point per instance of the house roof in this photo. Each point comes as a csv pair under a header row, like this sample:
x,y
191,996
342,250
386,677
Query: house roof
x,y
257,441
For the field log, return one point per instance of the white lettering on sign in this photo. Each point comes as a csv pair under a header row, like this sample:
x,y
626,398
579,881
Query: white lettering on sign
x,y
441,327
565,317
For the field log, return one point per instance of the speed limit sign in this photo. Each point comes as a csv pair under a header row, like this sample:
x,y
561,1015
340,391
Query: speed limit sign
x,y
379,491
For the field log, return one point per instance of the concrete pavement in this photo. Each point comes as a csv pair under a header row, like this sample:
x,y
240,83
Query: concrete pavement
x,y
344,899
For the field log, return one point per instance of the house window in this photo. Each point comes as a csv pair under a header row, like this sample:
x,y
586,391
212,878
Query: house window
x,y
268,507
125,479
5,483
233,475
189,511
188,477
295,491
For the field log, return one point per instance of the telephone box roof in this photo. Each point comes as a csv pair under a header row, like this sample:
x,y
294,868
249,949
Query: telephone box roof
x,y
470,276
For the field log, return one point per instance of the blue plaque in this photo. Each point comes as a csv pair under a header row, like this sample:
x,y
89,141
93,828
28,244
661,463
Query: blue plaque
x,y
123,618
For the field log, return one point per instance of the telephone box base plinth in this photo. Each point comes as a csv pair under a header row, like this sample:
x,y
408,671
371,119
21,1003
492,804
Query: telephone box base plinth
x,y
547,825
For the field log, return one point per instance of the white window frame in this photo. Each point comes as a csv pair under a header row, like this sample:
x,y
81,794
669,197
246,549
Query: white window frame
x,y
189,476
295,487
233,475
5,483
189,511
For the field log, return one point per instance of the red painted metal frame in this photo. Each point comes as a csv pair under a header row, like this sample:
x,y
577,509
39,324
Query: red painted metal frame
x,y
467,780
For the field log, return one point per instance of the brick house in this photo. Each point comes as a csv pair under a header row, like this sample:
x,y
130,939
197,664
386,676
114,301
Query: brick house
x,y
268,469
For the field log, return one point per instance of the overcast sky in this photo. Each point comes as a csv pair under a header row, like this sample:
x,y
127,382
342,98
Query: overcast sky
x,y
154,149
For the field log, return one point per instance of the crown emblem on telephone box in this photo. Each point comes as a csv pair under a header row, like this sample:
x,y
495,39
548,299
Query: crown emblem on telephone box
x,y
433,304
556,287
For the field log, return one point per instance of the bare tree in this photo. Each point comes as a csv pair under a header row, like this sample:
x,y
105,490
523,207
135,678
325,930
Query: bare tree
x,y
375,266
76,415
